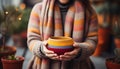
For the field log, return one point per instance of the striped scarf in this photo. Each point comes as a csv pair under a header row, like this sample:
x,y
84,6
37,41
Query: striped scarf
x,y
51,23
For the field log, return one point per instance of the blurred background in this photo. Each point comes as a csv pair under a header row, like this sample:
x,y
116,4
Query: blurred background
x,y
14,16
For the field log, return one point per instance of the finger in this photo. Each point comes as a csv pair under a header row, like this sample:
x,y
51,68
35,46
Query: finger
x,y
49,52
45,43
72,53
75,45
55,58
51,55
66,58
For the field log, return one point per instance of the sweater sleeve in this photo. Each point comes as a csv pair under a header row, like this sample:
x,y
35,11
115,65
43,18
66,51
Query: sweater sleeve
x,y
33,33
88,47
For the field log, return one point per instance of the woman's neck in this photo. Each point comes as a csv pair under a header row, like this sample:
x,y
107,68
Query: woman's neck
x,y
61,5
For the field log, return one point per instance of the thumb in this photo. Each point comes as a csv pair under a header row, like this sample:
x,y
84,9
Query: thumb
x,y
46,50
45,43
76,44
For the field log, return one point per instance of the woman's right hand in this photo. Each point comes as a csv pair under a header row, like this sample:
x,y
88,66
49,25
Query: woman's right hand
x,y
50,54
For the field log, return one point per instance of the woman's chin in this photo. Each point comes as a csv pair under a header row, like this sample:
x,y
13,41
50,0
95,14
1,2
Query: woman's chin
x,y
64,1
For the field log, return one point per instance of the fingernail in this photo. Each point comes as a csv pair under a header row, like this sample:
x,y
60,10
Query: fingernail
x,y
66,53
55,54
61,56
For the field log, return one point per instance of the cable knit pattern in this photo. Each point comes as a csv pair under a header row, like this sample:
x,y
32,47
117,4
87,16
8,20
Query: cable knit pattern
x,y
82,28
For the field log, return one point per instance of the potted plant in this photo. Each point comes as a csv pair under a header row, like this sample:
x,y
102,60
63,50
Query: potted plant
x,y
12,62
116,31
8,17
114,62
20,33
102,10
106,18
103,37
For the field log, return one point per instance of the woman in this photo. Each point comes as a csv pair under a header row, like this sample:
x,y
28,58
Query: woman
x,y
71,18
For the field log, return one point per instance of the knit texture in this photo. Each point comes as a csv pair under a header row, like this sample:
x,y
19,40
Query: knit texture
x,y
52,21
45,21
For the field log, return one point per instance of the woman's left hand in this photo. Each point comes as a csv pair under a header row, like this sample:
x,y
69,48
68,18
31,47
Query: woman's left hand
x,y
70,55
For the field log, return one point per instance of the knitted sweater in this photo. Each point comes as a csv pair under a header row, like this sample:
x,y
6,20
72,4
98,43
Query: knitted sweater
x,y
35,41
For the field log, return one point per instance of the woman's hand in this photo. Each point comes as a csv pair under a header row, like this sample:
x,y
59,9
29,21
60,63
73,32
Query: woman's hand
x,y
49,53
71,55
